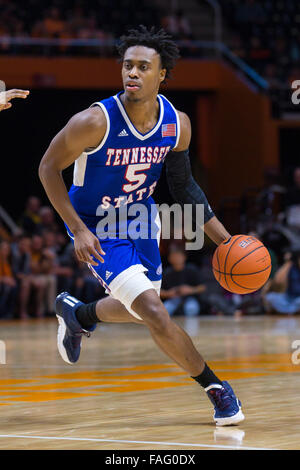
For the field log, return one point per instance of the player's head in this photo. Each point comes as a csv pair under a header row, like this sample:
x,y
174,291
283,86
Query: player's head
x,y
148,56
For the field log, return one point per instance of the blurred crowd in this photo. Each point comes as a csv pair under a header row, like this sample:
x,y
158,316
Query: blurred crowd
x,y
263,34
104,20
38,262
266,35
73,18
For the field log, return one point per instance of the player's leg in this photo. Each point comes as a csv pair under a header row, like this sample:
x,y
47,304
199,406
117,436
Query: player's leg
x,y
110,310
172,339
141,300
76,318
177,345
135,291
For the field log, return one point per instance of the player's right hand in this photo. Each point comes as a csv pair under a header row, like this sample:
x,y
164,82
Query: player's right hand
x,y
87,247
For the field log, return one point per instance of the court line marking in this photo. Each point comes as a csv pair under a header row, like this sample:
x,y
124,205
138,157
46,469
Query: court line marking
x,y
123,441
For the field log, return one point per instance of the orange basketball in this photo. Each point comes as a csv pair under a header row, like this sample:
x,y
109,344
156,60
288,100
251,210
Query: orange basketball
x,y
242,264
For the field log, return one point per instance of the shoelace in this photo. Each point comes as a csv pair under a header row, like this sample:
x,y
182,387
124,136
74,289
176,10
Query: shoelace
x,y
86,333
221,397
83,332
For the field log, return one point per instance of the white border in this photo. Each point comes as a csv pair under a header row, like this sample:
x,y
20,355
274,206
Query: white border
x,y
131,126
98,103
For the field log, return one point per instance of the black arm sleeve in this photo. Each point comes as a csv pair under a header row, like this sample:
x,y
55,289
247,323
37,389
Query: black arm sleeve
x,y
182,185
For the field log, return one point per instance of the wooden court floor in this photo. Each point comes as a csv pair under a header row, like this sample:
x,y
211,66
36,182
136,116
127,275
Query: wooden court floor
x,y
125,394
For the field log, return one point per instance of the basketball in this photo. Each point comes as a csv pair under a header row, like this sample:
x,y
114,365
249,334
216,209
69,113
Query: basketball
x,y
242,264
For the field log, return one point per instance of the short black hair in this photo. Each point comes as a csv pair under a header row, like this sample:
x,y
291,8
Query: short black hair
x,y
154,39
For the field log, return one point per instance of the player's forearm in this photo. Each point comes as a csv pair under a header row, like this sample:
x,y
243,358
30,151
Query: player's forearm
x,y
56,191
182,185
216,231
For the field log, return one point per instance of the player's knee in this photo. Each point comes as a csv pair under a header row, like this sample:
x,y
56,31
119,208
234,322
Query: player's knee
x,y
156,317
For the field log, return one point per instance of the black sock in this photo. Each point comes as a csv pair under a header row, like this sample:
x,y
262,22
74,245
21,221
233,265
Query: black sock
x,y
86,315
207,378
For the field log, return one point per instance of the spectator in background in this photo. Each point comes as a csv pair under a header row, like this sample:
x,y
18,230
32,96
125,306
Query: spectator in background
x,y
184,27
63,267
92,30
28,282
274,238
177,24
259,52
181,284
47,220
49,241
76,19
43,268
292,202
21,263
281,56
67,264
31,219
53,24
271,76
270,199
237,46
8,285
287,279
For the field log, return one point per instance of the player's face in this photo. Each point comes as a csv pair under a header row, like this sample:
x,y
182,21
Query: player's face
x,y
141,73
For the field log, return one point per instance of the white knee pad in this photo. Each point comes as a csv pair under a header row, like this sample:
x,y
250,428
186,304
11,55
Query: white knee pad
x,y
131,288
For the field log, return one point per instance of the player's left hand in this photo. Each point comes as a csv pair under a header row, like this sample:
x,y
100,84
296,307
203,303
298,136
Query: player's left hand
x,y
6,96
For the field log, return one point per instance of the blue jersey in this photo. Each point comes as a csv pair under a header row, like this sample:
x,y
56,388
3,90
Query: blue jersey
x,y
126,166
122,171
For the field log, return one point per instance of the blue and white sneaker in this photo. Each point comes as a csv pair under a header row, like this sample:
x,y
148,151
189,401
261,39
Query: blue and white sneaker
x,y
227,406
70,331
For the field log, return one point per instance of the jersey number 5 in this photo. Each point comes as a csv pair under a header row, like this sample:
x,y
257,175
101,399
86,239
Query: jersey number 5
x,y
135,179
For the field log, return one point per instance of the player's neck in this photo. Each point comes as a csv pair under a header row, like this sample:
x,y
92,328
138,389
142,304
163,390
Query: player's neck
x,y
142,113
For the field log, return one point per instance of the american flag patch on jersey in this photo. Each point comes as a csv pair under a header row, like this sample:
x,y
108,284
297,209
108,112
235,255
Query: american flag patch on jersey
x,y
168,130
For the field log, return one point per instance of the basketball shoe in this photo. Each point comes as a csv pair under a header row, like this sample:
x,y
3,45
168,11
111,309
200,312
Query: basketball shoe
x,y
227,406
70,331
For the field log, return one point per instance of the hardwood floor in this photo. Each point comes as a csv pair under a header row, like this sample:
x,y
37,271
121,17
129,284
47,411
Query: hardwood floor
x,y
125,394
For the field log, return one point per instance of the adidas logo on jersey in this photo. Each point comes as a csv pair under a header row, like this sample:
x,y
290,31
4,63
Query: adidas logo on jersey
x,y
123,133
107,274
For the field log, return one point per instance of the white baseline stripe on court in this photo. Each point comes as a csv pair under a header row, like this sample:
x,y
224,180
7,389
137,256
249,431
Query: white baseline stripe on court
x,y
183,444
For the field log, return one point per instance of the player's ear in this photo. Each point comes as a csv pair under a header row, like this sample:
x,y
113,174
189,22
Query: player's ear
x,y
162,75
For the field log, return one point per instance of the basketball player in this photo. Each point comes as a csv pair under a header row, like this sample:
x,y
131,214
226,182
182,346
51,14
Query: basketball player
x,y
119,146
9,95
